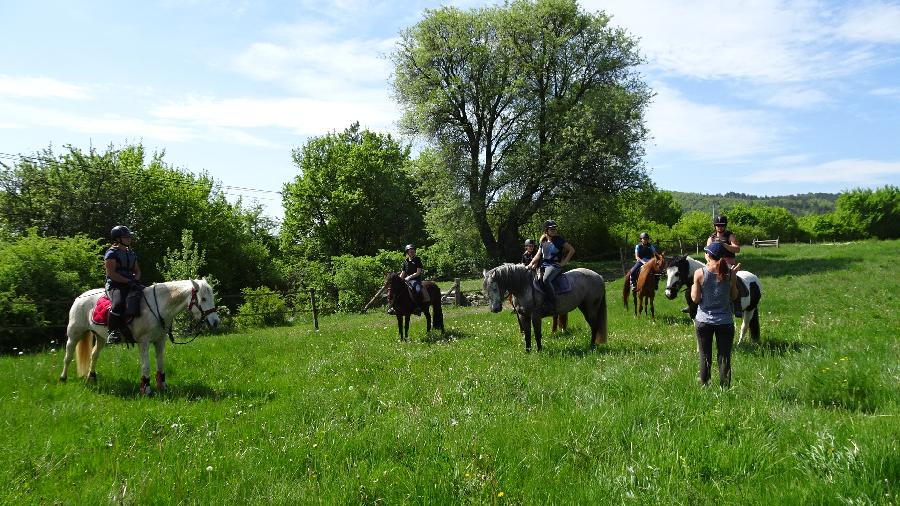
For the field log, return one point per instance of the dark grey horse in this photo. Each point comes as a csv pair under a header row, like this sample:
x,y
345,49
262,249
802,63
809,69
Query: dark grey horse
x,y
588,294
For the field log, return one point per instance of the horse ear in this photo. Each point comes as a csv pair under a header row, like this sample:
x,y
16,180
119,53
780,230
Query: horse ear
x,y
484,273
196,286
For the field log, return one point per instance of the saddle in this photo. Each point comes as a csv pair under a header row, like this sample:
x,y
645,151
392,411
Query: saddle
x,y
422,297
562,284
100,313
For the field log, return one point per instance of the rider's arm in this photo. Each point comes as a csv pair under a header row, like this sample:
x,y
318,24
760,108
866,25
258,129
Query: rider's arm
x,y
537,259
732,245
137,271
695,288
636,257
110,265
569,251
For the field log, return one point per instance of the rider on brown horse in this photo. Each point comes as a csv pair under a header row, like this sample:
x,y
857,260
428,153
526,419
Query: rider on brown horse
x,y
412,273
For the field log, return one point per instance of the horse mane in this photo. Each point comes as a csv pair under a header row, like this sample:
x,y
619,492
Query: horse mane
x,y
512,277
651,268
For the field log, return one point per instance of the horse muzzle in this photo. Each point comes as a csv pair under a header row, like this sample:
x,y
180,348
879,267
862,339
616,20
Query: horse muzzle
x,y
670,294
496,308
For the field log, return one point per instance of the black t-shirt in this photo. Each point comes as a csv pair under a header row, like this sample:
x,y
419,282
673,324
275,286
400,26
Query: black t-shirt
x,y
724,238
527,257
411,266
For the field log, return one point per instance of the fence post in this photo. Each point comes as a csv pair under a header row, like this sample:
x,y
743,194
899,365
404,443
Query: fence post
x,y
457,294
315,310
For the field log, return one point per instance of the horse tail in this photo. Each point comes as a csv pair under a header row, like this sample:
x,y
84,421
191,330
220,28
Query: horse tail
x,y
83,353
600,330
438,320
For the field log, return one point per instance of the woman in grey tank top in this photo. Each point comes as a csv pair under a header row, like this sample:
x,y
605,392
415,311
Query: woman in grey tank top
x,y
713,290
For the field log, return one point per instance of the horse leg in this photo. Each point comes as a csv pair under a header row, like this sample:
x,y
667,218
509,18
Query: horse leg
x,y
652,309
427,313
536,323
526,330
144,346
73,337
95,352
400,327
160,346
406,327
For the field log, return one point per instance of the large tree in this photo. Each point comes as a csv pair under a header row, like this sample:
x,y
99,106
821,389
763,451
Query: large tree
x,y
353,196
529,103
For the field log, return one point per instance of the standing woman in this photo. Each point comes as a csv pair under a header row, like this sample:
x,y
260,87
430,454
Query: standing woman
x,y
122,287
713,289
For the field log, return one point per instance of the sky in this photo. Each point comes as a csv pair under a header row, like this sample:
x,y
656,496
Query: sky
x,y
762,97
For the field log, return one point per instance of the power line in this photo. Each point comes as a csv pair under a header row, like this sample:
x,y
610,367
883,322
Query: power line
x,y
43,160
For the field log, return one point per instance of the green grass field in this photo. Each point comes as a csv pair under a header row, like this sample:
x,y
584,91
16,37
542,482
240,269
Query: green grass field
x,y
350,415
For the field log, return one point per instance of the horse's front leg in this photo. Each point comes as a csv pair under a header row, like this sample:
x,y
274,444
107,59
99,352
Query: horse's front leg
x,y
536,323
144,346
427,319
652,308
526,330
160,347
406,326
400,327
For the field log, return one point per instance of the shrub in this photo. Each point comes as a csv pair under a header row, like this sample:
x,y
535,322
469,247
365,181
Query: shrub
x,y
39,279
262,307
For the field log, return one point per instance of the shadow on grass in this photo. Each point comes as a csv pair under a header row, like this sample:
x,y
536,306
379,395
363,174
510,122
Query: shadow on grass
x,y
777,267
770,347
194,391
579,348
436,336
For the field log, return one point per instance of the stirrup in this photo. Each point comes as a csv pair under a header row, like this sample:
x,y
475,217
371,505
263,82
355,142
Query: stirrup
x,y
114,337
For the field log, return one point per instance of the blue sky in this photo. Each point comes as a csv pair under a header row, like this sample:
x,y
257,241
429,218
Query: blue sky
x,y
762,97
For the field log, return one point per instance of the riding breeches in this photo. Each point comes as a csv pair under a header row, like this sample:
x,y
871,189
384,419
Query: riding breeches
x,y
550,273
124,301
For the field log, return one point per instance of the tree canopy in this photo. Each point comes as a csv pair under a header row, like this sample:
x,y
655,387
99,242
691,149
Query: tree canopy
x,y
353,196
529,103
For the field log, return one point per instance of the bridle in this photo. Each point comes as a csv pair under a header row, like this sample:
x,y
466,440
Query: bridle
x,y
196,302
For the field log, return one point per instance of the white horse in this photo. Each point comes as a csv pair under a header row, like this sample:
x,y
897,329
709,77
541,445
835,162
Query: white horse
x,y
681,273
161,303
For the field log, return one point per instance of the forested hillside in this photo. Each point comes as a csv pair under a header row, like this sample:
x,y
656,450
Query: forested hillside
x,y
798,205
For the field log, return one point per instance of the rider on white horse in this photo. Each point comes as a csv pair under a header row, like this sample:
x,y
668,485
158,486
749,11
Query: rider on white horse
x,y
122,287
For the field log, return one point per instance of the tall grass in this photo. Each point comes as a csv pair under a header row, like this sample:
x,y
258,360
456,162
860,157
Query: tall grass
x,y
350,415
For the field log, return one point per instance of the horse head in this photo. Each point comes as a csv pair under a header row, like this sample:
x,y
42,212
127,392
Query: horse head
x,y
203,303
492,290
395,287
677,275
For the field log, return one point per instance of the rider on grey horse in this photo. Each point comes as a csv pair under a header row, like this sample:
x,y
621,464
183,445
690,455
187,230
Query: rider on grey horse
x,y
554,252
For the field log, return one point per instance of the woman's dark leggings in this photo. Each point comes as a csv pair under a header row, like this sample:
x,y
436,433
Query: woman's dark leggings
x,y
724,341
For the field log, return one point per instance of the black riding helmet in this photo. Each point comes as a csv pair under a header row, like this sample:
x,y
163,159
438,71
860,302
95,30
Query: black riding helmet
x,y
644,235
408,247
118,232
549,224
529,242
720,219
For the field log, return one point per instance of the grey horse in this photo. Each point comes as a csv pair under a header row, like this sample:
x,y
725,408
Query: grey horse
x,y
588,294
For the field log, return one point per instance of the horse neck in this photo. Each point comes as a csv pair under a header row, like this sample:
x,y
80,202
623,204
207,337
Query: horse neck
x,y
693,265
174,297
513,278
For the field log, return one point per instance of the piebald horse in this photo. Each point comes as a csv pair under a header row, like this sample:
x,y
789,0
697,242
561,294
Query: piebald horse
x,y
681,273
588,293
645,289
161,303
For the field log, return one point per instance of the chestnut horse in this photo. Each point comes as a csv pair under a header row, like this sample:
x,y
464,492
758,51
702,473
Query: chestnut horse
x,y
647,283
400,298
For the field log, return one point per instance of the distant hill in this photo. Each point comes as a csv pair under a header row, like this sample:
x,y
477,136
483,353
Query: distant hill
x,y
798,205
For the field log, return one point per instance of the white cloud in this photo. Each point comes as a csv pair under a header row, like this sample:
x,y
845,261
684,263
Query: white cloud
x,y
795,98
300,115
708,132
873,22
40,87
851,172
886,92
313,60
767,41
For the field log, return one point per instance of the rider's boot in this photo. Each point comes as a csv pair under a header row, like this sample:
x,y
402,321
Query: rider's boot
x,y
114,323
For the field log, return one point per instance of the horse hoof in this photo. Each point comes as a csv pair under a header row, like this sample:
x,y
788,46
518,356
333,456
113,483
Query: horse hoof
x,y
147,391
62,379
91,379
162,388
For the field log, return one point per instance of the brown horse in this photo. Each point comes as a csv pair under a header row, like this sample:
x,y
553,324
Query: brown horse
x,y
647,282
399,296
